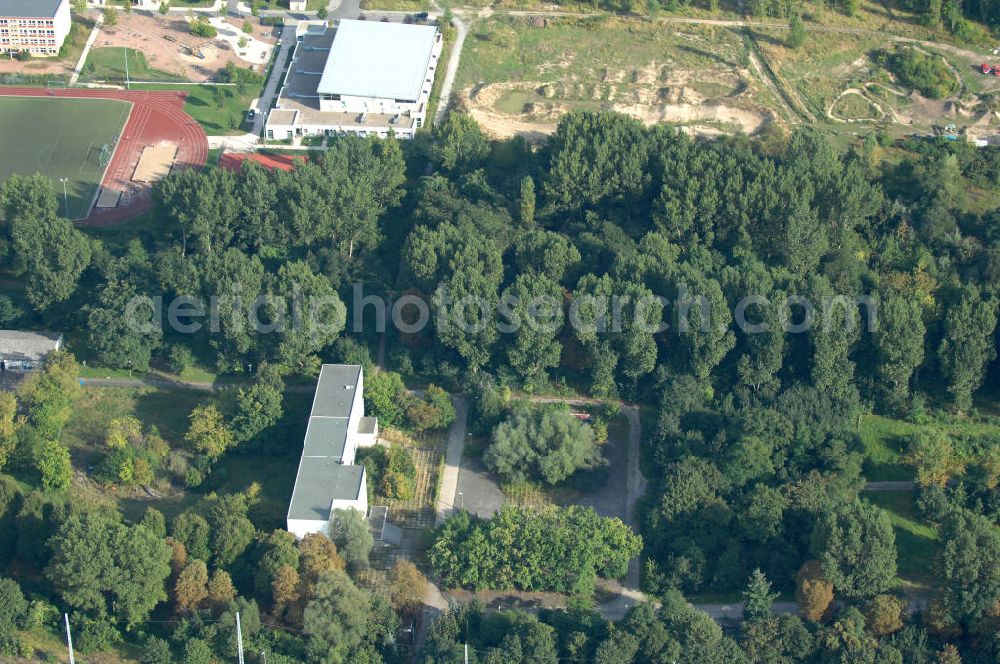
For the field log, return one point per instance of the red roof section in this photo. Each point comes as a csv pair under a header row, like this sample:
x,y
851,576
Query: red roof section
x,y
233,161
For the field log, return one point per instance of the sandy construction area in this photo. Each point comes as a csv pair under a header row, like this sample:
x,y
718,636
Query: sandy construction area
x,y
162,39
679,104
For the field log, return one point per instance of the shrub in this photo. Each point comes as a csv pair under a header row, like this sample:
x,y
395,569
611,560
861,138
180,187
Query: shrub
x,y
390,469
546,443
179,359
432,411
927,73
559,549
202,28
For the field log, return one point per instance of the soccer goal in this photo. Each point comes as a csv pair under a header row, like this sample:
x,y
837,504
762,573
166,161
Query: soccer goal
x,y
52,85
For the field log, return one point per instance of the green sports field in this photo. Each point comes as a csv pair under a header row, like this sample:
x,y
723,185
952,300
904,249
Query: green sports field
x,y
61,138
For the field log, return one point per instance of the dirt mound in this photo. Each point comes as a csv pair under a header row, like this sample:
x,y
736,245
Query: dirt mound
x,y
677,105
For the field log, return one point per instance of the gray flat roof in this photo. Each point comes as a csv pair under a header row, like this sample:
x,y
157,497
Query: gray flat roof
x,y
326,437
335,390
375,59
319,483
17,344
322,477
29,8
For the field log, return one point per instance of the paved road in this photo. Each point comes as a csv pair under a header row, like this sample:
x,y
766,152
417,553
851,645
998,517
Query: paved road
x,y
452,460
444,98
86,49
270,93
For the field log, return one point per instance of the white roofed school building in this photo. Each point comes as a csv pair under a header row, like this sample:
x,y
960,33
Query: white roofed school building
x,y
37,26
363,77
327,478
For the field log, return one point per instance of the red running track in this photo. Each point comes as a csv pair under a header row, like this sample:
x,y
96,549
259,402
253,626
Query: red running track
x,y
155,117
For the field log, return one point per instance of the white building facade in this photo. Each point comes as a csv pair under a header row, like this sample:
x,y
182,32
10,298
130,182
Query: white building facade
x,y
367,78
37,26
327,478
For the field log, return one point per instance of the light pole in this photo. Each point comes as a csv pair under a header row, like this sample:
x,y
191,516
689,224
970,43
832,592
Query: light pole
x,y
461,497
127,85
65,195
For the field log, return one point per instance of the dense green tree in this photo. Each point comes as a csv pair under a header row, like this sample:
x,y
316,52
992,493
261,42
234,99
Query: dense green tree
x,y
191,529
13,611
967,347
28,196
758,598
796,32
48,395
311,315
335,619
459,143
561,549
966,564
616,323
53,462
54,254
259,407
231,529
122,336
197,651
349,531
156,651
548,443
526,207
384,397
155,522
596,159
535,306
104,567
856,548
900,343
542,252
208,433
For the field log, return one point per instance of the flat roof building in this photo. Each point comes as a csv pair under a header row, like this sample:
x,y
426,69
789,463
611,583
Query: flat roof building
x,y
26,351
364,77
327,478
38,27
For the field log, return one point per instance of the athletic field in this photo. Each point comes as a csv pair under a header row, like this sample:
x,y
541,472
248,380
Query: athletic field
x,y
61,138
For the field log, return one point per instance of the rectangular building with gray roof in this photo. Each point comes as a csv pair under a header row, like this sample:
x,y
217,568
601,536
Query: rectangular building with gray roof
x,y
22,351
327,478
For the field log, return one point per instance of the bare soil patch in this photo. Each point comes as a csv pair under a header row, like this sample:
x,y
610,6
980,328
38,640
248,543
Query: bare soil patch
x,y
163,40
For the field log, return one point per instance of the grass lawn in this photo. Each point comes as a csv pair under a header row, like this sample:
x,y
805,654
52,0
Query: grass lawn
x,y
219,109
396,6
69,134
108,64
166,411
885,440
916,540
593,60
853,107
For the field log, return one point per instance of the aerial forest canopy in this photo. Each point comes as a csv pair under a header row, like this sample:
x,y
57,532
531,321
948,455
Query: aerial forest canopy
x,y
882,260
